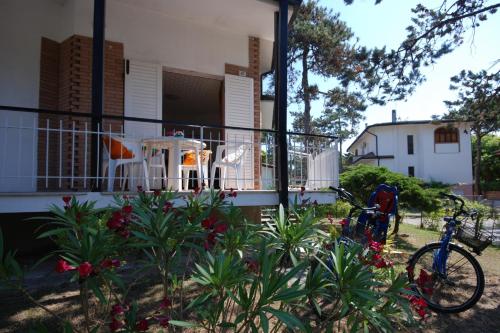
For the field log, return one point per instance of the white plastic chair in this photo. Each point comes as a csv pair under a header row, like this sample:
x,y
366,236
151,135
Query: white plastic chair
x,y
234,158
110,164
202,168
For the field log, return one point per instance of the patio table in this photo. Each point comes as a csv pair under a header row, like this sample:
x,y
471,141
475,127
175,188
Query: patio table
x,y
174,145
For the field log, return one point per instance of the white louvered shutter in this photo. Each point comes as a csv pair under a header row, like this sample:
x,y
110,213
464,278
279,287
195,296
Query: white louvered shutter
x,y
143,98
239,112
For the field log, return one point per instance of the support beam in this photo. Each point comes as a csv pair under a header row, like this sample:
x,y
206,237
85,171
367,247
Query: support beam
x,y
281,100
97,88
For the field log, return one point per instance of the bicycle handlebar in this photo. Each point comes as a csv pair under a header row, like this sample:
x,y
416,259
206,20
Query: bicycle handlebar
x,y
455,198
349,197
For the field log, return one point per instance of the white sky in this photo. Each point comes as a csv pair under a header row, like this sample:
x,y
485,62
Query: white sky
x,y
385,24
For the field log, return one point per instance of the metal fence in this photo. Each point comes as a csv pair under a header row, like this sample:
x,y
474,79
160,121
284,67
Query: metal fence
x,y
43,151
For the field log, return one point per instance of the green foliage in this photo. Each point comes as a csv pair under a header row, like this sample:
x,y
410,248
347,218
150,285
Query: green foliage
x,y
362,179
490,161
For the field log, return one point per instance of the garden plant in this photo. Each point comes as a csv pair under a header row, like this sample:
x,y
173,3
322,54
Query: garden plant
x,y
218,272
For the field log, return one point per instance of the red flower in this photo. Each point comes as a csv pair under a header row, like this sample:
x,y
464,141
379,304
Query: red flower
x,y
63,266
125,233
196,190
167,207
423,278
139,189
127,210
165,303
328,247
380,264
66,200
115,325
109,263
375,246
210,241
220,228
209,222
207,245
114,224
232,193
156,193
344,222
368,235
253,266
85,269
163,321
142,325
376,257
117,309
422,313
302,190
222,195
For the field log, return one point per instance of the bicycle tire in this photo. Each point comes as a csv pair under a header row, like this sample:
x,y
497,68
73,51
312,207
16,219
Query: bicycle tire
x,y
478,292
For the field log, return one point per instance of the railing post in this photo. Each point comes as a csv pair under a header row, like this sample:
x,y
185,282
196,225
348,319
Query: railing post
x,y
97,88
282,101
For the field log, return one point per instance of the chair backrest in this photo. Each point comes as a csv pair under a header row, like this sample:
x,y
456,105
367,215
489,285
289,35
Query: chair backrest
x,y
233,154
121,148
386,197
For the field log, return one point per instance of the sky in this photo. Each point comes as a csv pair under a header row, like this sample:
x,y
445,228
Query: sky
x,y
384,24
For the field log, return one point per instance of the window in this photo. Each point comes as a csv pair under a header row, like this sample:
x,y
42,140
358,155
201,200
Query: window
x,y
411,171
409,141
356,152
446,135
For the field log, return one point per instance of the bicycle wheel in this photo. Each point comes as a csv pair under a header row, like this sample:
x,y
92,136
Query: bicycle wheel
x,y
456,291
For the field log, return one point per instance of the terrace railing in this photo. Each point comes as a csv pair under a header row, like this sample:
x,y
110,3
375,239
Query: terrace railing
x,y
49,151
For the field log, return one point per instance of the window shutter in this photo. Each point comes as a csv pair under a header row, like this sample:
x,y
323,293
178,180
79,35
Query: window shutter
x,y
239,112
143,97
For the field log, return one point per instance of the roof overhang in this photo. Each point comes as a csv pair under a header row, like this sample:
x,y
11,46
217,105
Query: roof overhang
x,y
245,17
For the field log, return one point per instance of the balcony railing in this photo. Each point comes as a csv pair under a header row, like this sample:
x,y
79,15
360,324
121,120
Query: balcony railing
x,y
48,151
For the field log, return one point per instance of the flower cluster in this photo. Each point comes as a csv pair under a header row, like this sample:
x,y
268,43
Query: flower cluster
x,y
86,269
211,224
419,305
252,265
67,201
119,316
120,220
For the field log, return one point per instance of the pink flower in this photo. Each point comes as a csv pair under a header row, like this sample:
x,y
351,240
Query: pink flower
x,y
115,325
110,263
209,222
167,207
127,210
163,321
375,246
142,325
220,228
222,195
63,266
165,303
233,193
117,309
85,269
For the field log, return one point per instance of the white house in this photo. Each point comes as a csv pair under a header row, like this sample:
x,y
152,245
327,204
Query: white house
x,y
430,150
193,65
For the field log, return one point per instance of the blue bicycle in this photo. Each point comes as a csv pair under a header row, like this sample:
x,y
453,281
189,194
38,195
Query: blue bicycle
x,y
446,275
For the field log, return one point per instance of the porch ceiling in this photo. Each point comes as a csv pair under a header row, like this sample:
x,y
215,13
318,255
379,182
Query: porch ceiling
x,y
247,17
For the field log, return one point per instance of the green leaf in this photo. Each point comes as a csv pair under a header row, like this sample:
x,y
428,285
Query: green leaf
x,y
264,322
53,232
182,323
290,320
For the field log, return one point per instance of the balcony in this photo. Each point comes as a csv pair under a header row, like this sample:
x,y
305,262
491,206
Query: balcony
x,y
47,154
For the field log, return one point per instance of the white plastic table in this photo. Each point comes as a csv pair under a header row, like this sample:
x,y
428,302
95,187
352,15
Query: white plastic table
x,y
174,145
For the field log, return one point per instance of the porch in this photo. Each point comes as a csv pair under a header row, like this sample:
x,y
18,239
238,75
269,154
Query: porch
x,y
47,155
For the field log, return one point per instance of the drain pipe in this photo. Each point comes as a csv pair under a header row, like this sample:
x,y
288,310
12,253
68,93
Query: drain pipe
x,y
376,146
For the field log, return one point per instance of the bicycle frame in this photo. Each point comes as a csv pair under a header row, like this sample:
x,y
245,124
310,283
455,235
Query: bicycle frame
x,y
441,255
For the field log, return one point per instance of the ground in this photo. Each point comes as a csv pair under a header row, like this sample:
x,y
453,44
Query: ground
x,y
17,313
485,315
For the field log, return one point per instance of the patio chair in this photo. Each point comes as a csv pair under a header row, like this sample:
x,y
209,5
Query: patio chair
x,y
119,151
190,163
234,158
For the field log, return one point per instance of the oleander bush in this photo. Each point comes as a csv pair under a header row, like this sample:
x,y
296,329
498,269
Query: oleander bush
x,y
218,271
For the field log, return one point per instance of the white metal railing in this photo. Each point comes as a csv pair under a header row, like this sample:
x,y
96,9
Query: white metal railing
x,y
53,153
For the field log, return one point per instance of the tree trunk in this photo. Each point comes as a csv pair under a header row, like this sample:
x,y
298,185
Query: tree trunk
x,y
477,167
306,93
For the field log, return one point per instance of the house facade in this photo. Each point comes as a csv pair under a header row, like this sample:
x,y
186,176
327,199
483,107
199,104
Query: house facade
x,y
431,150
189,65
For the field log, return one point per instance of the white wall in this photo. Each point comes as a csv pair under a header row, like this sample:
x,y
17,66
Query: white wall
x,y
152,37
447,163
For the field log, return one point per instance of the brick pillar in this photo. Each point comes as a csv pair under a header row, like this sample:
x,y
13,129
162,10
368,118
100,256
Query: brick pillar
x,y
254,72
74,81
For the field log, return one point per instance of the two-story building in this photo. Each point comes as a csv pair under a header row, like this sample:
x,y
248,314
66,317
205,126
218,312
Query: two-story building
x,y
430,150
